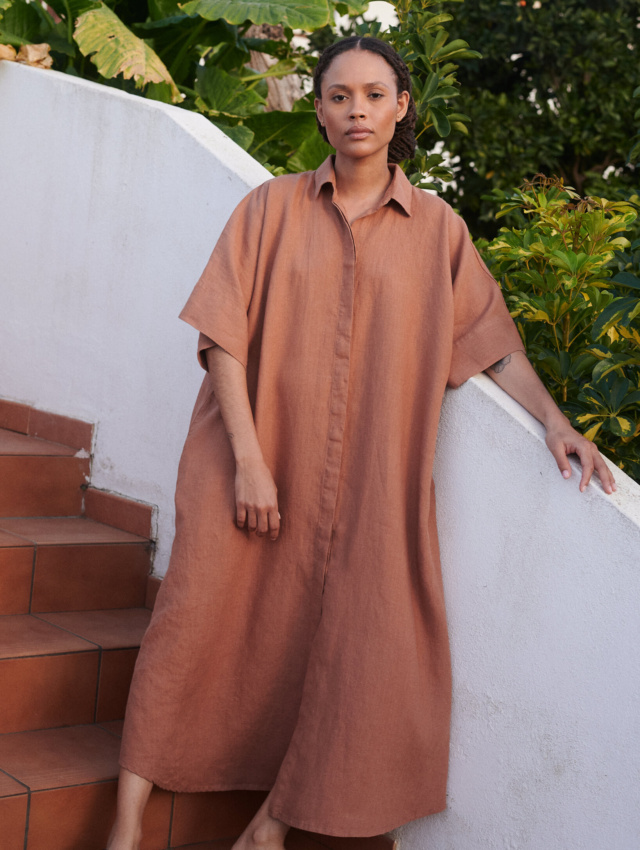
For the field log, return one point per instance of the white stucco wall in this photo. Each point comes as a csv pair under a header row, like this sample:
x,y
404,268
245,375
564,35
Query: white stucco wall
x,y
110,207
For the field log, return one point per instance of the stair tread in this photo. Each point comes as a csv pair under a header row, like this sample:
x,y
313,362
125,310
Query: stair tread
x,y
56,531
9,787
60,758
12,541
28,635
113,726
12,443
23,635
115,628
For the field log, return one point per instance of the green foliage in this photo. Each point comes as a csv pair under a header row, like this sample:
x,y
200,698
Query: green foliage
x,y
114,49
552,93
198,55
421,38
297,14
571,281
634,153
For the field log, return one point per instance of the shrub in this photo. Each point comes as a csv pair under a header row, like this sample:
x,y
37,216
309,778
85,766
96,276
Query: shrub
x,y
570,278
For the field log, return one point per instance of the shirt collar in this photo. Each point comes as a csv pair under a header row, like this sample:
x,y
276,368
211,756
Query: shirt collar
x,y
399,190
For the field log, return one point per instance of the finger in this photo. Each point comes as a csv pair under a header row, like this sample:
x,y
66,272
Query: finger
x,y
263,522
252,519
241,515
274,524
559,452
587,471
606,476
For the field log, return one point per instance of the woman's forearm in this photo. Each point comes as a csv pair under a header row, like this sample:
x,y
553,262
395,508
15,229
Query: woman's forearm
x,y
255,490
229,381
515,374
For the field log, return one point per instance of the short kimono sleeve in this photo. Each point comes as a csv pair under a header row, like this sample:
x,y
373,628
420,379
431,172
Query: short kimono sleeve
x,y
483,330
219,303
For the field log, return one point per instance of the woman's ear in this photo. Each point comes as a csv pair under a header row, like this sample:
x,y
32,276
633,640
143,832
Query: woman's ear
x,y
318,107
403,105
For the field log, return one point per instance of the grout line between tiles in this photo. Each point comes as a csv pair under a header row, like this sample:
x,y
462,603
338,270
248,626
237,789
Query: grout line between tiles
x,y
40,615
26,821
95,705
33,576
51,654
77,785
15,779
173,805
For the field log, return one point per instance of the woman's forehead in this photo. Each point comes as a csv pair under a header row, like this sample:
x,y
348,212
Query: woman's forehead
x,y
358,67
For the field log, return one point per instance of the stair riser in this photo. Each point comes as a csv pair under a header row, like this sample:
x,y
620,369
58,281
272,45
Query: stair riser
x,y
81,817
42,486
16,571
90,578
64,690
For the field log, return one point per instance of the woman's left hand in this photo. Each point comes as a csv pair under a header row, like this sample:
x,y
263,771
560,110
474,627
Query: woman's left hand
x,y
563,440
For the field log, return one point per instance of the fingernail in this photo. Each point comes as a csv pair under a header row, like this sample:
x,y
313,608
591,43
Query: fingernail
x,y
565,473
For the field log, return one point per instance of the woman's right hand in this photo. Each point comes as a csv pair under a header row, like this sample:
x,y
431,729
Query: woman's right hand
x,y
257,498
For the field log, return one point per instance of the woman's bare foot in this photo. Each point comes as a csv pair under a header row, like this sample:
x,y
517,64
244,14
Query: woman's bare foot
x,y
115,842
264,832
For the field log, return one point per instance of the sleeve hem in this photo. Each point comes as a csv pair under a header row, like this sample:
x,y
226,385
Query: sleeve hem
x,y
483,356
217,335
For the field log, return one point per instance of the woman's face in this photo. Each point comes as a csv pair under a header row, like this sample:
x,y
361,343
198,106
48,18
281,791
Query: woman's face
x,y
360,103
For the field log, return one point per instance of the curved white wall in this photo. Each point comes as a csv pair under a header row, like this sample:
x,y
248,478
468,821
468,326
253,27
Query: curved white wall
x,y
110,207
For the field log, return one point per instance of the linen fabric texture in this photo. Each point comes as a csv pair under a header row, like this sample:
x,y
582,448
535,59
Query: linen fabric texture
x,y
318,665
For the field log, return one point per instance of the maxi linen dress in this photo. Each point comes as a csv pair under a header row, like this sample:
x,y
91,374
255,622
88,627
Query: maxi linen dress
x,y
318,665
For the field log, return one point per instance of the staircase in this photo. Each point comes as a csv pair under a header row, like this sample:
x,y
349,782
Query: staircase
x,y
75,599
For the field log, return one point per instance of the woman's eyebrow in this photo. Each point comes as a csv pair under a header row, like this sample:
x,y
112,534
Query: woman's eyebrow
x,y
366,85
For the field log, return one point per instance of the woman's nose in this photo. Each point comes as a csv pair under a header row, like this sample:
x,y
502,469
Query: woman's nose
x,y
357,109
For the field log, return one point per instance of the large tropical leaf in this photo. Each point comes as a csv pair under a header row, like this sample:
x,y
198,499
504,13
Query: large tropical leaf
x,y
297,14
71,10
311,153
114,50
20,23
225,94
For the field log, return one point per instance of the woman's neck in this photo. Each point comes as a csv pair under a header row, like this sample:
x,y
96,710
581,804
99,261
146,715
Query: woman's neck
x,y
362,179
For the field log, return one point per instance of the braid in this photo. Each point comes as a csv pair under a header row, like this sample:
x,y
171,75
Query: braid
x,y
403,144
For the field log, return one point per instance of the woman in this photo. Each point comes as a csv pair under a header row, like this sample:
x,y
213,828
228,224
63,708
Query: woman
x,y
303,650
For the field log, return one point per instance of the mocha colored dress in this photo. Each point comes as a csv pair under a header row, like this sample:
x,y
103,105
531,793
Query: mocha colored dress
x,y
318,665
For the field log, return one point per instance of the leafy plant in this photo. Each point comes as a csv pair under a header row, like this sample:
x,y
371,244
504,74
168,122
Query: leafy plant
x,y
569,276
200,54
552,93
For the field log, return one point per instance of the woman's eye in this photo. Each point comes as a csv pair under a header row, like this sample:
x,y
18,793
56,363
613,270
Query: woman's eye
x,y
376,94
338,98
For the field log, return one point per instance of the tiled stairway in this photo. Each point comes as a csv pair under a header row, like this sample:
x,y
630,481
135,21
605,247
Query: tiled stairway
x,y
75,599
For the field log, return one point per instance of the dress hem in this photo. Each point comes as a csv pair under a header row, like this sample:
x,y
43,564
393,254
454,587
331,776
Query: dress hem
x,y
279,812
180,788
309,826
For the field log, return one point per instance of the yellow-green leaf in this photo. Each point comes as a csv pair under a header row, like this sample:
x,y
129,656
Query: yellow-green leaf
x,y
591,433
622,426
587,417
114,50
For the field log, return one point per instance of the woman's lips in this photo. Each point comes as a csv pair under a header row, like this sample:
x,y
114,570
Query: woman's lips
x,y
359,132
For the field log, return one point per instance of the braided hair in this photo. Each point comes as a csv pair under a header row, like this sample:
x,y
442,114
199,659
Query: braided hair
x,y
403,144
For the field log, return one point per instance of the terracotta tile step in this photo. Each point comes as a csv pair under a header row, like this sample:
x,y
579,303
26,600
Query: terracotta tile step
x,y
42,486
49,426
13,443
68,668
70,564
69,778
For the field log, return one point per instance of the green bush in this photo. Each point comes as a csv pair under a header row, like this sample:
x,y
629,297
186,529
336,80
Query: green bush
x,y
570,278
